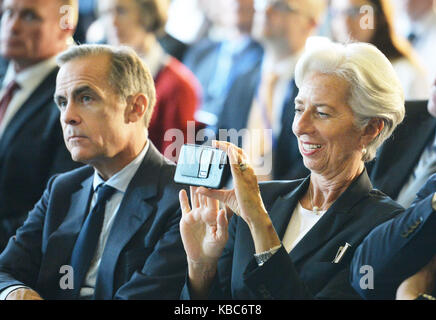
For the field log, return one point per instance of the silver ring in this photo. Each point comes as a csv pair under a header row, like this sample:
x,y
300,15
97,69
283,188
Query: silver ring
x,y
243,166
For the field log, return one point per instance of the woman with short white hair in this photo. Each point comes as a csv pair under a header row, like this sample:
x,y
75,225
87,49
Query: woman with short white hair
x,y
295,239
375,91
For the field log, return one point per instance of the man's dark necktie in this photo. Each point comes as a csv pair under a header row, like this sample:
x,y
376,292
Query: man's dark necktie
x,y
7,97
87,241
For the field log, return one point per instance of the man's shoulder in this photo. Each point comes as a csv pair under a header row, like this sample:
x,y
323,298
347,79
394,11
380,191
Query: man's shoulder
x,y
74,176
156,171
199,51
415,113
202,47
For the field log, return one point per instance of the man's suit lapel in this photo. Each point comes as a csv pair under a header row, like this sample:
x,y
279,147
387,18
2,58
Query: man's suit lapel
x,y
61,242
334,219
38,99
132,214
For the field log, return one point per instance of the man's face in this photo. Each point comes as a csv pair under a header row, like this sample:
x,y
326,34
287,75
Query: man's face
x,y
30,30
238,14
416,9
281,21
93,117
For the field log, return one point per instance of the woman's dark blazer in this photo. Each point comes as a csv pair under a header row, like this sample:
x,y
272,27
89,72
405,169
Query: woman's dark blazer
x,y
308,271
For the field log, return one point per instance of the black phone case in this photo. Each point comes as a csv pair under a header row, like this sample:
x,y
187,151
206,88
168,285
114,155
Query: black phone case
x,y
202,166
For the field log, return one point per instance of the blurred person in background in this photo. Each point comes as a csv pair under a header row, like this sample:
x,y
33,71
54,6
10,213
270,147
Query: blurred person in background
x,y
408,158
352,21
138,23
419,26
229,69
33,32
282,27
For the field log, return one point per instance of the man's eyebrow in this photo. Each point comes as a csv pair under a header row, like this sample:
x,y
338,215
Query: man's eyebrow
x,y
76,92
82,89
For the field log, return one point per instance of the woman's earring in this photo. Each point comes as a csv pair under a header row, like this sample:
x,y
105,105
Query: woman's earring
x,y
364,151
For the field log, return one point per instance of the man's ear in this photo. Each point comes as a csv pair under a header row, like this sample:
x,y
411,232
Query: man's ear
x,y
372,130
137,105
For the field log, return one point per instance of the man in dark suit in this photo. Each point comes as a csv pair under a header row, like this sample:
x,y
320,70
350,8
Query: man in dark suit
x,y
109,230
31,146
396,167
397,249
282,27
228,70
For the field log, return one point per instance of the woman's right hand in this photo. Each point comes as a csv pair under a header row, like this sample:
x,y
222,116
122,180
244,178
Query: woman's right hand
x,y
203,229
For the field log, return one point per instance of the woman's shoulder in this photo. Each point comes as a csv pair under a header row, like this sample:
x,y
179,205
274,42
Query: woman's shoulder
x,y
379,197
380,206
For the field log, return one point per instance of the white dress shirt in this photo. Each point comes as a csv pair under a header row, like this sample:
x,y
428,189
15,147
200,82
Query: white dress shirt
x,y
28,79
120,181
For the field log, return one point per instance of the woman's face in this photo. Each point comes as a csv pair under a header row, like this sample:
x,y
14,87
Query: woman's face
x,y
328,140
350,21
121,19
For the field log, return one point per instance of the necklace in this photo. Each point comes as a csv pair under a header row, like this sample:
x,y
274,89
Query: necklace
x,y
315,209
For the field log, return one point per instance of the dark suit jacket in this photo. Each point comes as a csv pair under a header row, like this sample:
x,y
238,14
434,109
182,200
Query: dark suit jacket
x,y
399,155
202,59
31,150
287,162
307,272
398,248
143,256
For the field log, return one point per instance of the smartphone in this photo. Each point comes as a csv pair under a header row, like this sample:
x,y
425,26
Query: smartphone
x,y
200,165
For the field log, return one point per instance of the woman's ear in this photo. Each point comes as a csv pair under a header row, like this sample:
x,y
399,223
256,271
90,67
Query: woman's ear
x,y
372,130
137,105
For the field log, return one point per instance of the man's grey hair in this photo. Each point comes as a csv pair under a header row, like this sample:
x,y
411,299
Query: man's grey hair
x,y
375,90
128,74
